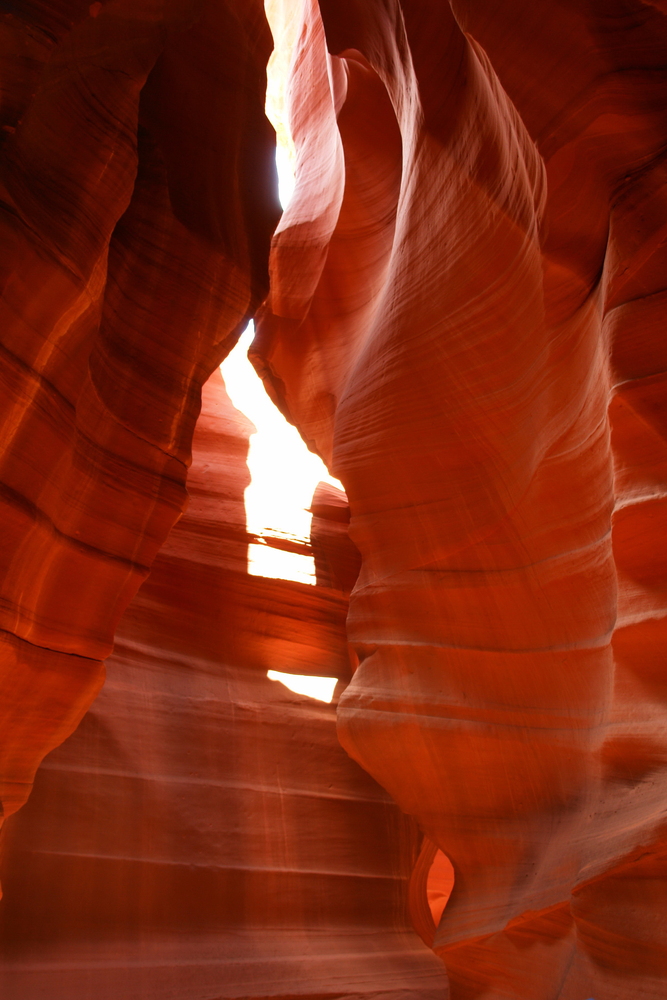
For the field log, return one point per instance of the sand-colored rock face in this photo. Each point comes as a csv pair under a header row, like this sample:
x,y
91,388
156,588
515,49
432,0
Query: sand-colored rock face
x,y
465,318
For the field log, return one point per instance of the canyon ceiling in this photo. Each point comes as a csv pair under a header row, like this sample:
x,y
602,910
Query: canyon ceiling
x,y
462,310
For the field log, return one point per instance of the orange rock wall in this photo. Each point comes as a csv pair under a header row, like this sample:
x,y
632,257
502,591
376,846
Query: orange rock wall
x,y
486,381
207,835
464,318
127,270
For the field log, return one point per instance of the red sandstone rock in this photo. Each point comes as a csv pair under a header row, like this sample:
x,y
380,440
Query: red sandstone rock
x,y
466,320
336,558
126,275
207,835
509,325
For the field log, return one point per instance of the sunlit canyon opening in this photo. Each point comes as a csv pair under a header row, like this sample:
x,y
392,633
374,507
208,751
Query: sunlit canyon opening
x,y
284,475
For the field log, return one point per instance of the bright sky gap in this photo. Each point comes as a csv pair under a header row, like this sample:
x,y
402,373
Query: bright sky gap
x,y
321,688
284,475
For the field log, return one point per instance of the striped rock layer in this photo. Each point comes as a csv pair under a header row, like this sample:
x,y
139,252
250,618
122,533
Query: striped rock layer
x,y
466,319
462,312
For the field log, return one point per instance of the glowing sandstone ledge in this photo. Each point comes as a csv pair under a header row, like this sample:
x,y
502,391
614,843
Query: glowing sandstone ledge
x,y
465,319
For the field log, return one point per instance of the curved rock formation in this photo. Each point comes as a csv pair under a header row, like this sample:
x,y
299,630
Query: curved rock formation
x,y
136,210
486,379
464,318
207,835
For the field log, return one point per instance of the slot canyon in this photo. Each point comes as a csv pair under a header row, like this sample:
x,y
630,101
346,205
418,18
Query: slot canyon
x,y
461,312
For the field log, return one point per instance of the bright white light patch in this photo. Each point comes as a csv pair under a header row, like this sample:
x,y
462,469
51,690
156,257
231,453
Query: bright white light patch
x,y
274,564
285,175
321,688
283,473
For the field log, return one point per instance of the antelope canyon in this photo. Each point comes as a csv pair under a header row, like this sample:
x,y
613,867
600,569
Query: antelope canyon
x,y
411,742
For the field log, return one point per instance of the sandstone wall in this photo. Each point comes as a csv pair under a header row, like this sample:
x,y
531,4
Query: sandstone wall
x,y
462,312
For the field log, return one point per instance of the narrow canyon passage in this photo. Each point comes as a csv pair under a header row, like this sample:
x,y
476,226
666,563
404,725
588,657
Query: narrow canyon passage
x,y
207,834
461,312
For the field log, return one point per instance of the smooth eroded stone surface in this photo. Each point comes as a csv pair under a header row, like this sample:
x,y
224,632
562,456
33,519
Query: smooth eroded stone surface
x,y
126,275
466,320
463,313
207,835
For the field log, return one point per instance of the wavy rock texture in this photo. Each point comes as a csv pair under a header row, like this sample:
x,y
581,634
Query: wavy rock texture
x,y
207,835
466,320
136,211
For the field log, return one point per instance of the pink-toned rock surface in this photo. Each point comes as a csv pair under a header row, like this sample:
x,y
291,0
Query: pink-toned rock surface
x,y
465,317
207,835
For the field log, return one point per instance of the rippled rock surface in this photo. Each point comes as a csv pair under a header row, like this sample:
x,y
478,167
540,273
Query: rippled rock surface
x,y
462,311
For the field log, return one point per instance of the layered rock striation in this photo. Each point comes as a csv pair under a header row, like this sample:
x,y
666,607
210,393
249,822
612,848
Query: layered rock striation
x,y
207,835
464,319
137,204
462,312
